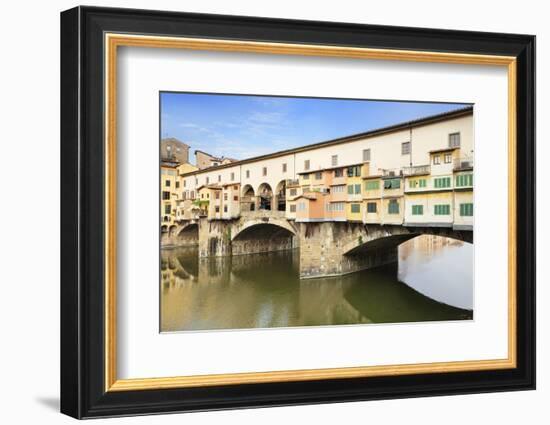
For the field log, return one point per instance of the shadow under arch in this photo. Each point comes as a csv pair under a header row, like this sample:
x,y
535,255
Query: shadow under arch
x,y
263,237
393,241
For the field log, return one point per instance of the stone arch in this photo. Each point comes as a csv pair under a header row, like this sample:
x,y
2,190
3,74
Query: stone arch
x,y
379,238
188,235
172,230
265,196
263,236
282,224
164,228
280,196
248,198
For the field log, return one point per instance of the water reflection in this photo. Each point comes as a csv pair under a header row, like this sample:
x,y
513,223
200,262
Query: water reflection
x,y
440,268
263,290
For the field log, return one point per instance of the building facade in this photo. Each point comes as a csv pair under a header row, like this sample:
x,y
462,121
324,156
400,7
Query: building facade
x,y
173,150
418,173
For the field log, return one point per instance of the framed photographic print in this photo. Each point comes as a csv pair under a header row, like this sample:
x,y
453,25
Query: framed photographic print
x,y
261,212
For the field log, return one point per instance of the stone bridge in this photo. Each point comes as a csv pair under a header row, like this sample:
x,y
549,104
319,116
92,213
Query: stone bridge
x,y
326,248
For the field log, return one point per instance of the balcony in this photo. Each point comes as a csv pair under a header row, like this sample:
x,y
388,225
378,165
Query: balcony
x,y
463,164
392,173
417,170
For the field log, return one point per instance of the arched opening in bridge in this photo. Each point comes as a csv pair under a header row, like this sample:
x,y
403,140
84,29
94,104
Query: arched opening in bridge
x,y
164,228
280,195
189,235
172,230
265,195
248,198
263,237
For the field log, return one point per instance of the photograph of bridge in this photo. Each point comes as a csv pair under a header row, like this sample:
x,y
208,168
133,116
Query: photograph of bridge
x,y
289,211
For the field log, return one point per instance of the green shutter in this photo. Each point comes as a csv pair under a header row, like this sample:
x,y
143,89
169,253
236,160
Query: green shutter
x,y
467,210
357,189
350,189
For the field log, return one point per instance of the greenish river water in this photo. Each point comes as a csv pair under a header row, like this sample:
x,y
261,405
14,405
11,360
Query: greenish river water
x,y
432,282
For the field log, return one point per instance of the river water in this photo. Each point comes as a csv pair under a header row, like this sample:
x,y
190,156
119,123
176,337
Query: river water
x,y
432,281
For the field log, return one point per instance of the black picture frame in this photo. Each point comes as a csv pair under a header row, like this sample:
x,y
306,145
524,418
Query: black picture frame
x,y
83,392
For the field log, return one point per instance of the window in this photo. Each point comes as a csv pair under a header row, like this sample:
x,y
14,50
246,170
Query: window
x,y
167,208
448,158
232,176
442,182
165,195
264,171
184,183
355,208
293,192
443,209
464,180
292,208
354,171
217,195
357,189
247,174
177,185
336,207
338,189
371,207
417,209
405,148
217,209
305,176
235,198
334,160
219,178
225,208
393,207
207,180
392,184
339,172
414,183
318,176
167,183
350,189
454,140
302,206
192,194
225,196
196,181
437,160
306,164
235,187
372,185
284,167
366,155
467,210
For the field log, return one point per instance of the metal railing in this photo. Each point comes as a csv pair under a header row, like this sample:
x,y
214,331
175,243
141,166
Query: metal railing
x,y
416,170
463,163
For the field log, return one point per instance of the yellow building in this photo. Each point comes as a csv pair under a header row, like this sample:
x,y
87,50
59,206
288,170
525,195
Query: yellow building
x,y
392,202
169,188
354,183
372,199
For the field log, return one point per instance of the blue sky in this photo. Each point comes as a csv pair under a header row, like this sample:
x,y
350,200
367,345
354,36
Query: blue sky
x,y
241,127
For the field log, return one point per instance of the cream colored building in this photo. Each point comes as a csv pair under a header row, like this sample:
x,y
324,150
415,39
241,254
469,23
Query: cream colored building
x,y
409,164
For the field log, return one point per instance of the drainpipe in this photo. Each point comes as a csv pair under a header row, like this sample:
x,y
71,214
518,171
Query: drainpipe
x,y
411,147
